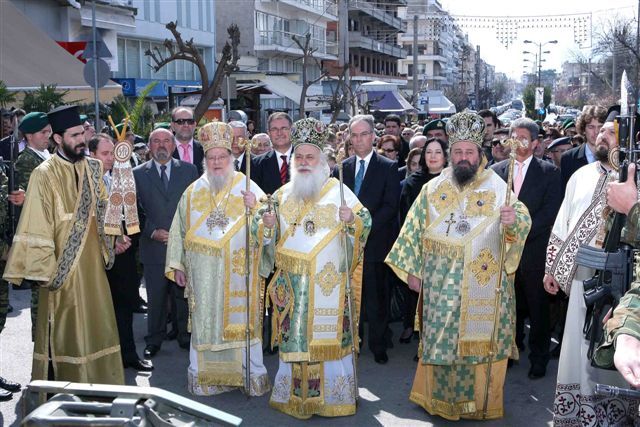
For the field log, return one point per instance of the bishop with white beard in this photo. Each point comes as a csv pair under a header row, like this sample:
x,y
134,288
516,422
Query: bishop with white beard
x,y
303,240
206,255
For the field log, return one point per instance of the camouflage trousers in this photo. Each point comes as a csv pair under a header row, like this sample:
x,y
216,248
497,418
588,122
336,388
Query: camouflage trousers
x,y
4,303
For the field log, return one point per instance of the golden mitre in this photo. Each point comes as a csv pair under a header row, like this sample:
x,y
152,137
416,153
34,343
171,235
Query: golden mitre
x,y
215,135
465,126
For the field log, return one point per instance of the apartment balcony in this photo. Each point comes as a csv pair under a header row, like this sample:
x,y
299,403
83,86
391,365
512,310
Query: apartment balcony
x,y
369,8
282,42
326,9
357,40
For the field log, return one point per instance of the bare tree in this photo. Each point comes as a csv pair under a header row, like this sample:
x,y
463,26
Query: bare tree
x,y
336,101
187,51
307,60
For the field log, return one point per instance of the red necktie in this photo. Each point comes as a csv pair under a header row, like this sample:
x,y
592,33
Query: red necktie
x,y
284,170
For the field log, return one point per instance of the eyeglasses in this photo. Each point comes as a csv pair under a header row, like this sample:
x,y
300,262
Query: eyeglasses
x,y
361,135
282,129
185,121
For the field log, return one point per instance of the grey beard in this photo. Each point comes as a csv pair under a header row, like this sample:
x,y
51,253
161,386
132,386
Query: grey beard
x,y
218,182
462,175
307,186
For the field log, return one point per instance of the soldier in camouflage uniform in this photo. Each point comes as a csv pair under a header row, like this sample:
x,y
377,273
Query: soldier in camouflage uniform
x,y
622,332
17,198
37,130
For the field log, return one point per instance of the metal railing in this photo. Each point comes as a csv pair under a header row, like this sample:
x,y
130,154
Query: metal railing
x,y
370,8
285,39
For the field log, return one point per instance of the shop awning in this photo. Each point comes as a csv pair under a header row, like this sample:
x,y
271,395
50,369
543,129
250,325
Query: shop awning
x,y
434,102
388,101
31,58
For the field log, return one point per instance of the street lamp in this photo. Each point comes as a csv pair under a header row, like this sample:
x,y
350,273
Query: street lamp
x,y
539,57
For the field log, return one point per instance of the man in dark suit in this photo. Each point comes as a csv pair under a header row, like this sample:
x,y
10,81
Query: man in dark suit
x,y
239,159
589,124
160,183
123,276
187,149
537,184
272,168
374,179
392,127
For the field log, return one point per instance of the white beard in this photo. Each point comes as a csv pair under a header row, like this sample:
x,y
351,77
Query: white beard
x,y
307,186
218,182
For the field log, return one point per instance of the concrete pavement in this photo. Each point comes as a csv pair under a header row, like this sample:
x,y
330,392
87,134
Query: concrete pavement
x,y
384,390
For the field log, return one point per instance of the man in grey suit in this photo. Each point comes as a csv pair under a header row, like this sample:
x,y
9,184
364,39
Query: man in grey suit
x,y
160,183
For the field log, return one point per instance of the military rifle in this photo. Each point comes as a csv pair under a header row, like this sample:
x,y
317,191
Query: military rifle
x,y
614,262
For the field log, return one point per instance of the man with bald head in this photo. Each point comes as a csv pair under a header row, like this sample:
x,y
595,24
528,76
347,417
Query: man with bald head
x,y
160,182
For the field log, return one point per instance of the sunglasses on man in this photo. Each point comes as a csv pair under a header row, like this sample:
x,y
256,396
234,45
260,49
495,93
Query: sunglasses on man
x,y
184,121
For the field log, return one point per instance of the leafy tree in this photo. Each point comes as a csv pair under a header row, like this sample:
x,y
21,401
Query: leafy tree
x,y
44,99
6,96
139,112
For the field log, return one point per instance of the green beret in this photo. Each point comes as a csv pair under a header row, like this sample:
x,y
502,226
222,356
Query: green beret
x,y
33,122
434,125
568,123
162,125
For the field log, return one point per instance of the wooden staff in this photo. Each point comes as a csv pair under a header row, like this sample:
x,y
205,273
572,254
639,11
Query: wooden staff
x,y
349,290
513,144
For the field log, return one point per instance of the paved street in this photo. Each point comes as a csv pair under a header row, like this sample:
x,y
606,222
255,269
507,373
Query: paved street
x,y
384,390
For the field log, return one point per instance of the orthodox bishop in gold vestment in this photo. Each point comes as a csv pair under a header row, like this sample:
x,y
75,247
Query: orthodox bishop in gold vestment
x,y
206,254
60,244
311,322
449,251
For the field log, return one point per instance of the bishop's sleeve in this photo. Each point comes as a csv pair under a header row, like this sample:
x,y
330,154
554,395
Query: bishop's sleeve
x,y
516,236
32,255
175,245
406,256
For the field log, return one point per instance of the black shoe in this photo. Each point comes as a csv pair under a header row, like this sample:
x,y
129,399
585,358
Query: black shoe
x,y
139,365
381,357
140,309
537,371
150,351
9,385
9,308
184,344
5,395
405,337
416,358
172,335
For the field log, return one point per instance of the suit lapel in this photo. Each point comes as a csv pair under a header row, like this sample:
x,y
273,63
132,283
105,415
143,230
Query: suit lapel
x,y
154,177
371,167
174,180
349,172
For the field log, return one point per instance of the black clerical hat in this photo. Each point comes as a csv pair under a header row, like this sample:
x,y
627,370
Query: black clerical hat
x,y
63,118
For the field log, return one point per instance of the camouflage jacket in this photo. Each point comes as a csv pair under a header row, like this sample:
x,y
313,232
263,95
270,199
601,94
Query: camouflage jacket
x,y
27,161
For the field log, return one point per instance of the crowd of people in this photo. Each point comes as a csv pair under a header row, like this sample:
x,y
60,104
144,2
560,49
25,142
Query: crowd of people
x,y
293,240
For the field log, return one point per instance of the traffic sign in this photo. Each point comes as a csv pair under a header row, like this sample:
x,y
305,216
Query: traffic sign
x,y
539,98
103,73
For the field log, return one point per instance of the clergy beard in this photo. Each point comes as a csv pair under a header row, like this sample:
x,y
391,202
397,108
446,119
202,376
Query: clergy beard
x,y
602,153
70,151
218,182
464,172
307,186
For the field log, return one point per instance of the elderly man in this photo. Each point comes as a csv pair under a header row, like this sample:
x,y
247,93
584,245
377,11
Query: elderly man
x,y
207,242
187,149
160,182
240,136
308,291
260,144
449,251
60,243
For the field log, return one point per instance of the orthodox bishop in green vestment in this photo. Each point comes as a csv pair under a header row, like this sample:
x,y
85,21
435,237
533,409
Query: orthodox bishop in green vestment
x,y
311,322
59,243
449,251
206,254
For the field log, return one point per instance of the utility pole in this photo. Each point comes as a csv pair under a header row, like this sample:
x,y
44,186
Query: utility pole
x,y
477,78
415,60
343,48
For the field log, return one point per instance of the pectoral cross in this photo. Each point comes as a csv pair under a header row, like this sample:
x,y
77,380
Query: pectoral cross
x,y
450,222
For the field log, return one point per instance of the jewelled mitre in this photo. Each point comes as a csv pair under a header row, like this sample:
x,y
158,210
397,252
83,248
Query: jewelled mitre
x,y
465,127
308,131
215,135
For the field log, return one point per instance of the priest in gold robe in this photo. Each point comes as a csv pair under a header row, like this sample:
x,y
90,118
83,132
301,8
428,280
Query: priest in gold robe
x,y
311,316
449,251
60,244
206,255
